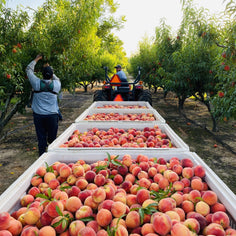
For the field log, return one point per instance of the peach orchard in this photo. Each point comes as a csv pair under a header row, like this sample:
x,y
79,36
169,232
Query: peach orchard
x,y
198,61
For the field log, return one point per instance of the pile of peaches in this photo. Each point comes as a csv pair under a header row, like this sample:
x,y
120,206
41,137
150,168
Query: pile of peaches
x,y
120,197
117,106
149,137
125,117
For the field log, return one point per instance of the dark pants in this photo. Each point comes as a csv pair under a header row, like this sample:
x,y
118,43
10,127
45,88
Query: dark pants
x,y
46,127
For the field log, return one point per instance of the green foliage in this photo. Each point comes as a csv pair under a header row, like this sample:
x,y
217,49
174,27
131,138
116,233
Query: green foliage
x,y
190,64
74,37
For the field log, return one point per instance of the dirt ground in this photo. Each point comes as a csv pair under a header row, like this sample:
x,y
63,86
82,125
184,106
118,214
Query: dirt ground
x,y
18,150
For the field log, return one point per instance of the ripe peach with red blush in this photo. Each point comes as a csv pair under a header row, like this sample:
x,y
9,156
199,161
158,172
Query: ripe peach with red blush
x,y
104,217
132,219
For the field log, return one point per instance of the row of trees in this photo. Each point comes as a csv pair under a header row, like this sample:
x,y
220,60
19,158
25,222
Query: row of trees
x,y
199,61
75,37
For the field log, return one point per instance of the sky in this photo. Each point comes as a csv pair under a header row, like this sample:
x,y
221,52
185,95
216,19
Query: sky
x,y
142,16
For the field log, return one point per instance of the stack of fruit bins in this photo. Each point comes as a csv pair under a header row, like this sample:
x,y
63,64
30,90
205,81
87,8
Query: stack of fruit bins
x,y
120,115
10,199
121,105
176,144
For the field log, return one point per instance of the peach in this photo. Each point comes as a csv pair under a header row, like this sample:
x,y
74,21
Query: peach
x,y
187,206
186,162
53,183
178,198
89,202
84,194
61,195
32,216
142,174
230,231
147,202
4,220
127,160
36,181
197,184
91,186
45,219
145,183
15,227
26,200
135,170
106,204
142,195
102,232
5,232
166,204
30,231
83,211
104,217
177,168
123,170
172,177
121,231
214,229
98,195
81,183
34,191
118,179
49,176
94,225
130,177
221,218
120,197
161,223
157,177
117,221
180,212
47,231
134,189
218,207
52,206
187,172
194,196
41,171
152,171
173,215
154,187
99,180
109,190
178,185
75,226
180,229
203,208
147,228
73,204
118,209
71,179
131,199
132,219
163,183
200,218
73,191
199,171
126,185
78,170
89,176
186,182
60,224
192,224
210,197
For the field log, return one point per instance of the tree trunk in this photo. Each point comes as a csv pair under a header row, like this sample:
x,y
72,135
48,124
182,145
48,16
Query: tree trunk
x,y
214,121
181,103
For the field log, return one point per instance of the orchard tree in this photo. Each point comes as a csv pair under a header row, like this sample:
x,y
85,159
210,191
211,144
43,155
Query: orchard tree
x,y
14,87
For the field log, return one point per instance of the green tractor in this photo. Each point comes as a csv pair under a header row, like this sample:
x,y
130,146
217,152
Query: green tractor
x,y
115,90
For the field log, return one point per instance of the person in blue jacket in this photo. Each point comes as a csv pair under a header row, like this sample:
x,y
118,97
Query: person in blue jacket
x,y
44,105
